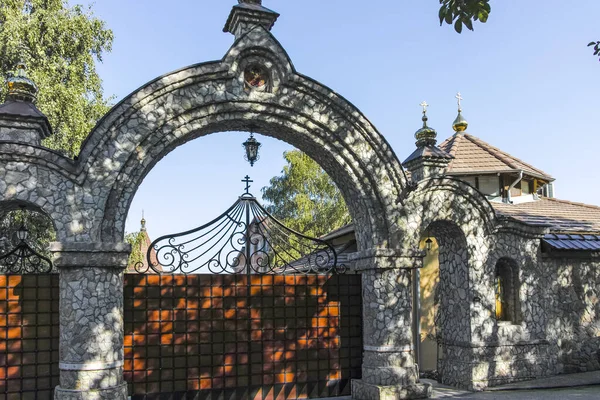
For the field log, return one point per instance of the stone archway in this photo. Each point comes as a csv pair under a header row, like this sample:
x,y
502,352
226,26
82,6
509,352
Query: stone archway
x,y
462,221
254,84
214,97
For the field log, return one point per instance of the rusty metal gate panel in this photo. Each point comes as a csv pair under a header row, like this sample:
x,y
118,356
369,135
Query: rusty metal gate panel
x,y
242,336
29,329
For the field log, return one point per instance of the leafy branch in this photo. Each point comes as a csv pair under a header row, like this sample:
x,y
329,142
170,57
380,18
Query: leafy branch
x,y
596,48
464,12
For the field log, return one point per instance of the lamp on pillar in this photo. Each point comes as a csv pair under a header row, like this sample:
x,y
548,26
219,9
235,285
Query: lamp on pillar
x,y
252,146
428,244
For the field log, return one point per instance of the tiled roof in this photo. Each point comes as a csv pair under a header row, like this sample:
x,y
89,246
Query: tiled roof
x,y
473,155
561,215
428,152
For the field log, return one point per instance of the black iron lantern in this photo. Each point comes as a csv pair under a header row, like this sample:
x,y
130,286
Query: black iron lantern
x,y
252,145
428,244
22,233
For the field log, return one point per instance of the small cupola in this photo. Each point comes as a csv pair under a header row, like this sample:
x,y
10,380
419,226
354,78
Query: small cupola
x,y
247,15
20,120
143,223
425,136
20,87
427,160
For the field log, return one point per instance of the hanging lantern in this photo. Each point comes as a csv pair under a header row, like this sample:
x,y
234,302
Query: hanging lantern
x,y
428,244
252,145
22,233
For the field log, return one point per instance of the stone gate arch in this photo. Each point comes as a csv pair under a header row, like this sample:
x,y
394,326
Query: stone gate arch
x,y
213,97
255,86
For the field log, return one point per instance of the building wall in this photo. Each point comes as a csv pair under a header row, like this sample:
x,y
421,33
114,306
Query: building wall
x,y
515,350
573,324
557,328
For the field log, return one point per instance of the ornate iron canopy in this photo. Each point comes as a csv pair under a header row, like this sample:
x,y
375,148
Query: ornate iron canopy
x,y
244,239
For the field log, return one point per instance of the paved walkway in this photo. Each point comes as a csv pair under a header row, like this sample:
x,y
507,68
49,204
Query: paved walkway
x,y
574,393
559,381
583,386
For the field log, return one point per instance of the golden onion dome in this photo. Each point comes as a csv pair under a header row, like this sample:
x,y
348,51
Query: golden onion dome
x,y
460,124
20,87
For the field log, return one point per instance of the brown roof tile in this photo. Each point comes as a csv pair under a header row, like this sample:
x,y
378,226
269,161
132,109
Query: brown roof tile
x,y
563,216
472,155
427,152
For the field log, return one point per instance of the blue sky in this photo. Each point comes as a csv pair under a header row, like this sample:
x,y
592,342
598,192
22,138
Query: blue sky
x,y
530,85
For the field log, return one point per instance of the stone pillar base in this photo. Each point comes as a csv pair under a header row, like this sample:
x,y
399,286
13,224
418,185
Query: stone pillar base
x,y
113,393
366,391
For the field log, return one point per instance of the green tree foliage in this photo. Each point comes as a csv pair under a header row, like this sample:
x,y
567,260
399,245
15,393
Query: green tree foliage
x,y
596,48
304,198
60,45
135,239
464,12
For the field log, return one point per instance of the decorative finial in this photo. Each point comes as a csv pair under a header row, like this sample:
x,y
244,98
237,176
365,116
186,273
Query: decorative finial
x,y
247,181
459,98
143,223
248,14
425,136
20,87
460,124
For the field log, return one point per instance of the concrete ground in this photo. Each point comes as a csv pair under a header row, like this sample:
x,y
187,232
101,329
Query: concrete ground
x,y
583,386
576,393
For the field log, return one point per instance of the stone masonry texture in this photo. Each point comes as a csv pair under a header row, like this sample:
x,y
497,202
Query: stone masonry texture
x,y
555,329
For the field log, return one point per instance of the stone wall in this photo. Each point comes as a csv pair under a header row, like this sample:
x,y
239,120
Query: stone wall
x,y
573,304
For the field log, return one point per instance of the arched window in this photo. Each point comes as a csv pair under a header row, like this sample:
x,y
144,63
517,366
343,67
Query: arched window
x,y
507,290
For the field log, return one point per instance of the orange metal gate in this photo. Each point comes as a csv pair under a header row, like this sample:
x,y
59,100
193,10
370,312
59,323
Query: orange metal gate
x,y
242,336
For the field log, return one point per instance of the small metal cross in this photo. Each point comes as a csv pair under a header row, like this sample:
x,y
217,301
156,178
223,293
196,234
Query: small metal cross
x,y
247,181
424,105
459,98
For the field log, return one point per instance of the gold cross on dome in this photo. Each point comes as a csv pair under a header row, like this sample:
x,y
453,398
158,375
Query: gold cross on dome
x,y
459,98
424,105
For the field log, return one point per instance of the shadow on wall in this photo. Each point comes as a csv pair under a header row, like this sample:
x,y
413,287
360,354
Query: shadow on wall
x,y
574,312
253,336
451,297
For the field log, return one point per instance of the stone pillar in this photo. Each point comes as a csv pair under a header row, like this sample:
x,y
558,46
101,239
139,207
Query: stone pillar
x,y
91,320
389,371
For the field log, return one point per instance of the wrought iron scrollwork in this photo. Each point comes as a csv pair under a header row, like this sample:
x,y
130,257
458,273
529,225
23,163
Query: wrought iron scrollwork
x,y
23,259
244,239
